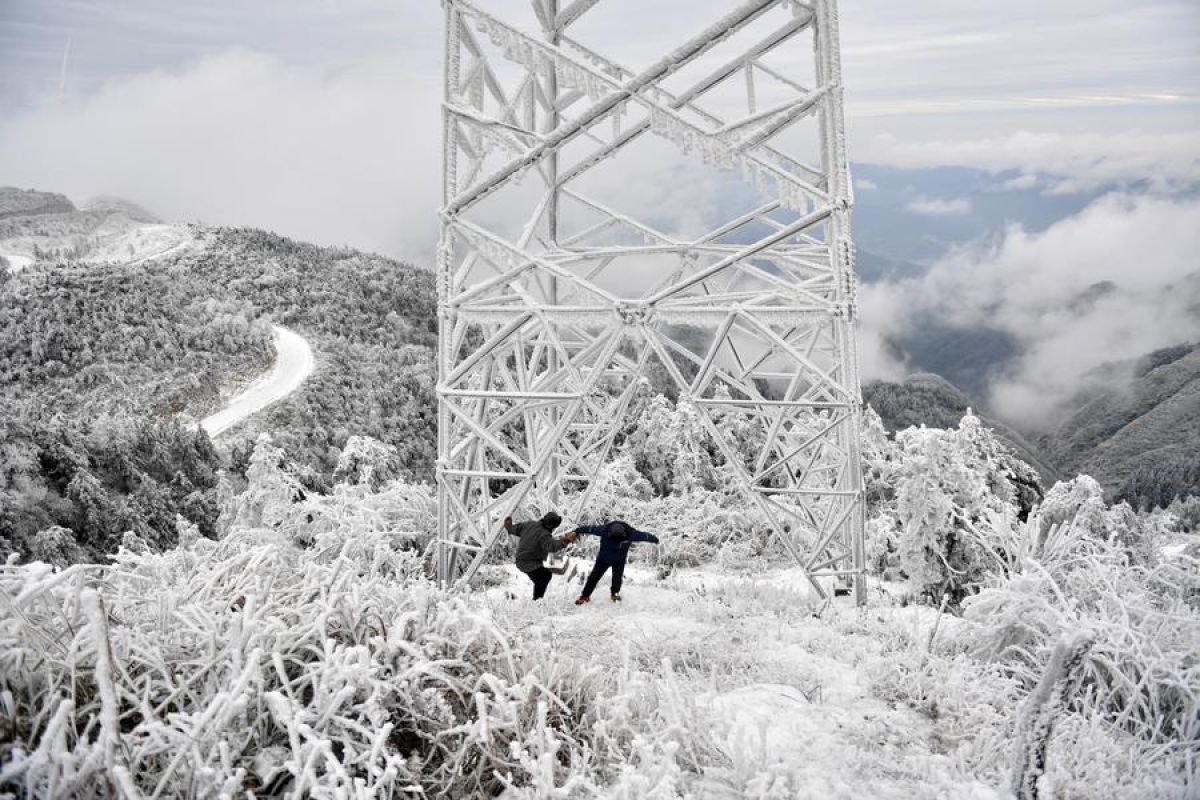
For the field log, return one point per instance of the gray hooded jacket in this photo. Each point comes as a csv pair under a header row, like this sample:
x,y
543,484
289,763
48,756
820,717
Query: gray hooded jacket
x,y
535,544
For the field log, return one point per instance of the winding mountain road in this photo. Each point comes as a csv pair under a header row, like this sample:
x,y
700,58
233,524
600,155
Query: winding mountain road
x,y
293,363
17,261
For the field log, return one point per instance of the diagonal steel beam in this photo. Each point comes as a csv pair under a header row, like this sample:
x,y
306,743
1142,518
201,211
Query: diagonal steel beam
x,y
663,68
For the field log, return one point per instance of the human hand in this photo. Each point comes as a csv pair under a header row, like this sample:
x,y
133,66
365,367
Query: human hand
x,y
508,522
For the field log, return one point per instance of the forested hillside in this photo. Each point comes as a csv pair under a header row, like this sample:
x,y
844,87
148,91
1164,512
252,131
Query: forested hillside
x,y
1137,428
15,202
372,323
105,367
85,339
97,362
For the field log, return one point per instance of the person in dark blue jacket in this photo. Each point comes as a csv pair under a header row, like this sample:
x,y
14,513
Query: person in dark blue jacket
x,y
615,539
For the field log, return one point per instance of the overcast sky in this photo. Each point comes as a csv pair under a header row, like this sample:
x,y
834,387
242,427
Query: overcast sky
x,y
1137,62
318,118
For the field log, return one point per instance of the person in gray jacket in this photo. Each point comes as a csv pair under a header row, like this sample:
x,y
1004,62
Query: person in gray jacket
x,y
535,543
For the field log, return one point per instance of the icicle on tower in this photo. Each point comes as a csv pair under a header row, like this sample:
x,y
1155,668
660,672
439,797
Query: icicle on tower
x,y
613,216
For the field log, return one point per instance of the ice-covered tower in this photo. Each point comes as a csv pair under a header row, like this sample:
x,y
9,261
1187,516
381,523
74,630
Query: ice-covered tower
x,y
632,189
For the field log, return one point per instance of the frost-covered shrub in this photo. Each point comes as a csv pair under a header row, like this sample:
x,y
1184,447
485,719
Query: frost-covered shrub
x,y
671,447
1141,672
878,457
401,513
1187,511
367,461
270,493
56,545
972,710
954,507
1139,680
695,527
619,490
879,538
1134,695
133,543
1080,501
941,504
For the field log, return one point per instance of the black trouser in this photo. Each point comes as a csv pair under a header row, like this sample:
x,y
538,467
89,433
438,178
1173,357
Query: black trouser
x,y
541,579
598,573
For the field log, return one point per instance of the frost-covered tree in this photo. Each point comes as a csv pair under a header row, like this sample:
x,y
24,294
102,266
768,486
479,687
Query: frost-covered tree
x,y
367,461
950,503
271,490
671,447
57,546
1080,503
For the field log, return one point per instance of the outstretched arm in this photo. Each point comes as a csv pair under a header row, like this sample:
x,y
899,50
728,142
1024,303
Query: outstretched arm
x,y
592,530
642,536
552,545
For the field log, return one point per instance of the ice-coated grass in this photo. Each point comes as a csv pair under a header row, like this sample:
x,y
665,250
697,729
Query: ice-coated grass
x,y
305,654
251,664
1132,698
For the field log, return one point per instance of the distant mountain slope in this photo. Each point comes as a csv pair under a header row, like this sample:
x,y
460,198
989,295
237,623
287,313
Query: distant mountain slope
x,y
45,227
16,202
932,401
967,357
1145,421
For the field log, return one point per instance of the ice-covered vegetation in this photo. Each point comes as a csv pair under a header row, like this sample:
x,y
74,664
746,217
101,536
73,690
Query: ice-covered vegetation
x,y
1014,643
103,366
135,338
71,488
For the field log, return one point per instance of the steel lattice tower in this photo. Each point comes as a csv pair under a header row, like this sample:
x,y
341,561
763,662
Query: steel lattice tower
x,y
556,292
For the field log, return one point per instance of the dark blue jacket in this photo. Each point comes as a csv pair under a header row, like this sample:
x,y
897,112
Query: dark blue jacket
x,y
615,551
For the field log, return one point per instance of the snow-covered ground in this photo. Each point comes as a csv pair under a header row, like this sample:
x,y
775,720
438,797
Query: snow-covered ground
x,y
142,243
293,363
778,686
116,239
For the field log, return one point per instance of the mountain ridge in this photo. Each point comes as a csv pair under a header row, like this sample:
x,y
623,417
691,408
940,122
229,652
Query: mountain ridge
x,y
1146,414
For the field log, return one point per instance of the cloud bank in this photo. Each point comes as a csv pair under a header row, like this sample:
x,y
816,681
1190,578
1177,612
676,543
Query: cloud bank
x,y
333,157
939,207
1168,161
1114,282
244,139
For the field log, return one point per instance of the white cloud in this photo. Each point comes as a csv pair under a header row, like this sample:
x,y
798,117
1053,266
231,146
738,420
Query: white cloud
x,y
1114,282
346,157
865,184
1020,183
936,207
1168,161
243,139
